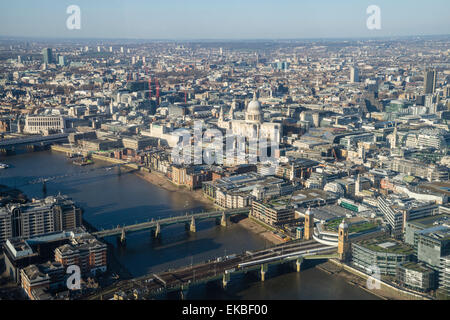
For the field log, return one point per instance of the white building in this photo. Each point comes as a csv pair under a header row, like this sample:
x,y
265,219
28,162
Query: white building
x,y
44,124
354,74
253,126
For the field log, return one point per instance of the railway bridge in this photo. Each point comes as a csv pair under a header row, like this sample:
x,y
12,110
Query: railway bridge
x,y
220,269
31,142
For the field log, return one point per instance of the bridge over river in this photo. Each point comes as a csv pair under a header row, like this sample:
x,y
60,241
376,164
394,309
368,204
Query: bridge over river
x,y
31,142
222,268
156,225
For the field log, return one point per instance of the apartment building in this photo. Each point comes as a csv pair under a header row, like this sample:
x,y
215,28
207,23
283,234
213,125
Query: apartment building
x,y
87,252
54,213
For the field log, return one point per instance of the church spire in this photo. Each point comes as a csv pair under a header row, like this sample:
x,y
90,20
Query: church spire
x,y
255,95
221,118
394,138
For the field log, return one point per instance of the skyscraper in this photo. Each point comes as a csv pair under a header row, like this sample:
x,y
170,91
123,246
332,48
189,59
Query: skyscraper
x,y
354,74
47,55
62,61
429,81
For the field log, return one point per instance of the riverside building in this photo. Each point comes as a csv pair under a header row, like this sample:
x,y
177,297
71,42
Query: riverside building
x,y
44,124
275,213
54,213
86,252
383,253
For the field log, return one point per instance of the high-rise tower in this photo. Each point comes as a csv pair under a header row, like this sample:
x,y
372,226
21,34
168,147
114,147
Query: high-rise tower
x,y
429,82
354,74
47,55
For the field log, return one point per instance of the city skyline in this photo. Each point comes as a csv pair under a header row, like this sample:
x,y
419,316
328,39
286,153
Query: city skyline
x,y
202,20
203,150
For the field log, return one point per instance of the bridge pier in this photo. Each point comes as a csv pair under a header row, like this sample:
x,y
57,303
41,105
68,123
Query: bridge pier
x,y
123,238
184,291
223,221
298,264
158,230
263,271
225,279
192,227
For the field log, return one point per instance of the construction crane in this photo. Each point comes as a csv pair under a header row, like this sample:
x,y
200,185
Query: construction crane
x,y
157,90
150,88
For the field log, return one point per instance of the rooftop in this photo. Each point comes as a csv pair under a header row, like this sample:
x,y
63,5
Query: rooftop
x,y
419,267
440,232
430,221
356,224
386,245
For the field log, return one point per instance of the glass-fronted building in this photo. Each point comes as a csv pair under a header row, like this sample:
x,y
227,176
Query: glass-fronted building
x,y
416,276
383,254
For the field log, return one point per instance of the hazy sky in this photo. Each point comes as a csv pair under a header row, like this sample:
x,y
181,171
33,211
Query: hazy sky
x,y
228,19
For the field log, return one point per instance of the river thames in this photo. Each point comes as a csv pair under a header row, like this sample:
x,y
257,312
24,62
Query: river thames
x,y
109,199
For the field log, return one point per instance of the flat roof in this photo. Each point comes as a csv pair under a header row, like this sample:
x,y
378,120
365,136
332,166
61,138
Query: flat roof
x,y
430,221
415,266
386,245
441,232
441,187
330,212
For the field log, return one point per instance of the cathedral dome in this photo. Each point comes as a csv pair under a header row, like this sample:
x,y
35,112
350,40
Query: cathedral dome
x,y
253,112
254,107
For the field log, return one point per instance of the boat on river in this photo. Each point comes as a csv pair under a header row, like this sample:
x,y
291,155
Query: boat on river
x,y
82,161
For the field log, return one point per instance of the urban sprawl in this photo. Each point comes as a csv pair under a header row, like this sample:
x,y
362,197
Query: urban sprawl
x,y
343,143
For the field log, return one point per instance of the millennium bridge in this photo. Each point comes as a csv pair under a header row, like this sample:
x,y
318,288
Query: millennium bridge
x,y
155,225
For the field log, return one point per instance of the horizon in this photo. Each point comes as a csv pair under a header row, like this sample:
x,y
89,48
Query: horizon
x,y
13,38
232,20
